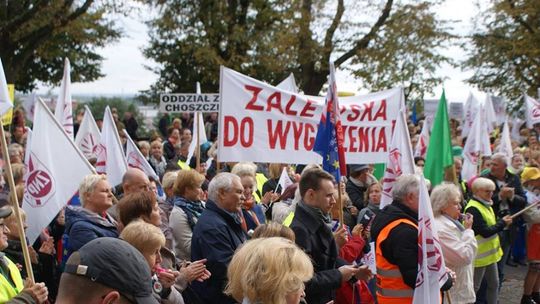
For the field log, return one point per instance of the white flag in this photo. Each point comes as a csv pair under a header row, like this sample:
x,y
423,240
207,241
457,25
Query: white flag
x,y
284,180
423,141
491,116
431,268
55,169
476,146
471,108
198,131
533,111
110,155
135,159
88,136
400,158
505,145
516,125
288,84
28,104
64,111
27,151
5,102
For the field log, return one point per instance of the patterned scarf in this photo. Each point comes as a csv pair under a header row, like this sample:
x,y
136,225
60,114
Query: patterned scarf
x,y
193,210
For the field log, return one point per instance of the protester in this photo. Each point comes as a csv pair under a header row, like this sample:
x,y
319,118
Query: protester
x,y
256,273
131,125
173,138
374,194
271,185
137,205
144,147
252,214
218,234
314,236
456,239
485,227
359,180
273,229
167,205
149,239
531,285
43,261
285,204
187,210
395,230
156,159
12,288
135,180
90,221
508,197
106,270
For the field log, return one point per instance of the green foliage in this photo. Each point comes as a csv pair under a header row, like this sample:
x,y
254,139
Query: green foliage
x,y
36,35
268,39
406,53
505,52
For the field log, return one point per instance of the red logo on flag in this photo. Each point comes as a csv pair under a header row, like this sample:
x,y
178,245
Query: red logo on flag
x,y
134,160
434,256
89,145
39,183
536,111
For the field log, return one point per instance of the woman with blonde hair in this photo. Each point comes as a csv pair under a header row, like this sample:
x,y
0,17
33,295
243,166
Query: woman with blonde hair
x,y
252,213
268,271
457,240
274,172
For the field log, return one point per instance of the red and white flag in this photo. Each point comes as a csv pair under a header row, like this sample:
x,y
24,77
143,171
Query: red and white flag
x,y
135,159
400,158
471,108
88,136
533,111
5,102
110,154
505,145
423,141
64,109
431,268
476,146
491,116
50,183
28,104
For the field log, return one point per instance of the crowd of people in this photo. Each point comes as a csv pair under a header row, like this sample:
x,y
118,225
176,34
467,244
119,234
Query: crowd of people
x,y
211,232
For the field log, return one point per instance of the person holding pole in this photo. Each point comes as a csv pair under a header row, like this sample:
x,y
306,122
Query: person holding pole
x,y
12,288
314,236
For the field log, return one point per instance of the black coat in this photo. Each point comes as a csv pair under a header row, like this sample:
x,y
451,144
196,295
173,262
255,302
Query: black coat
x,y
401,246
216,236
356,194
520,199
317,240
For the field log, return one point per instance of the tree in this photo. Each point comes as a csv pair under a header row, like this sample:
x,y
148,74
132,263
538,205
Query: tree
x,y
505,54
406,52
36,35
268,39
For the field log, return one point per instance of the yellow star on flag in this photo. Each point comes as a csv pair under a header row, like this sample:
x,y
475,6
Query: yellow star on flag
x,y
336,164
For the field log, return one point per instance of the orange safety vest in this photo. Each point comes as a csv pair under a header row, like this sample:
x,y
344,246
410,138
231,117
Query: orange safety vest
x,y
390,285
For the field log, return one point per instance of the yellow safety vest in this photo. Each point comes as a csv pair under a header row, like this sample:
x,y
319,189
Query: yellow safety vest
x,y
288,220
183,165
261,179
489,249
7,291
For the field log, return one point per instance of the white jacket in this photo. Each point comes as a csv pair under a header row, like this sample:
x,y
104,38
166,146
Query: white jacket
x,y
459,250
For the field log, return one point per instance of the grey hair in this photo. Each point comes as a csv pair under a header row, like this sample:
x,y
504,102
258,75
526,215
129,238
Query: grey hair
x,y
442,195
482,183
221,181
245,169
405,184
168,179
88,185
500,156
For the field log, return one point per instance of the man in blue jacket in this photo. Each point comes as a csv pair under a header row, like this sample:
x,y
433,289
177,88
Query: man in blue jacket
x,y
217,235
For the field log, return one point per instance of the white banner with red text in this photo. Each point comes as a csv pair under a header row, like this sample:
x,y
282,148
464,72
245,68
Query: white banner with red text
x,y
262,123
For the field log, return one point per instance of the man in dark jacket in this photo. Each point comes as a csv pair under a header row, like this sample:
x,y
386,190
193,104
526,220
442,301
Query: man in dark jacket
x,y
217,235
508,198
359,180
314,235
400,247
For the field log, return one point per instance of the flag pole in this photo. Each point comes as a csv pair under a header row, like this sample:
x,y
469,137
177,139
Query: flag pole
x,y
340,202
198,148
16,208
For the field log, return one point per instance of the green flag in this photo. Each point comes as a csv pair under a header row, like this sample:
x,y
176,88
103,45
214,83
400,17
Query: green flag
x,y
439,153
